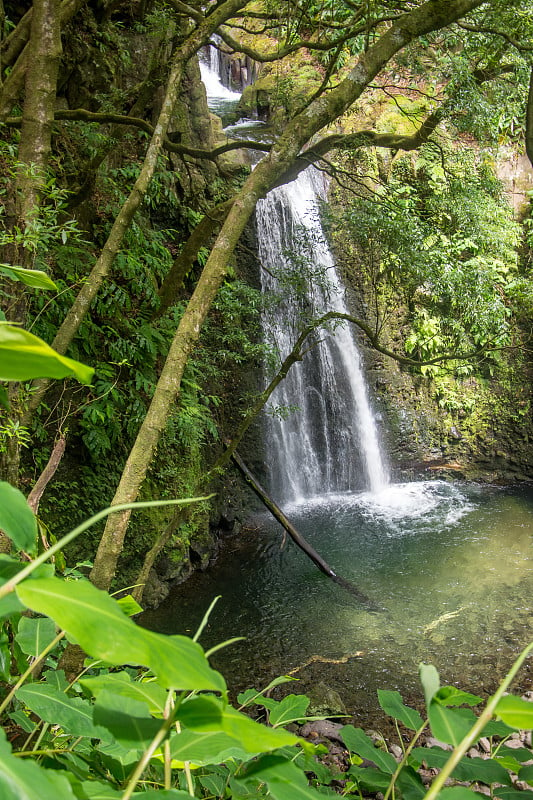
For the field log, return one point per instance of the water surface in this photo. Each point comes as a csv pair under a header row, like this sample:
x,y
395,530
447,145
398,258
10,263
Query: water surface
x,y
450,564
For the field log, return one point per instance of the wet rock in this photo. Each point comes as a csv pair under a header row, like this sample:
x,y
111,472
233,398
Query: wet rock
x,y
396,751
432,742
155,590
322,728
325,701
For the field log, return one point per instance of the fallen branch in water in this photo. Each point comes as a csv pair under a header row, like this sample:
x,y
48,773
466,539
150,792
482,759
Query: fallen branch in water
x,y
297,538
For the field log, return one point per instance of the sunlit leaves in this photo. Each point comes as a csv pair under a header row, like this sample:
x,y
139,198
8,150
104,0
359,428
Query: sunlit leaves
x,y
17,520
24,356
99,626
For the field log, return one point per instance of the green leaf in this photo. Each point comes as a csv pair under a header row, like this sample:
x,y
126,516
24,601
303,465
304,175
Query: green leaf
x,y
162,794
358,742
515,712
450,696
127,719
210,747
429,677
35,278
284,779
22,779
34,635
96,622
24,356
392,704
120,683
526,774
250,696
483,770
211,713
291,708
73,714
459,793
370,779
17,520
447,725
129,605
410,784
94,790
508,793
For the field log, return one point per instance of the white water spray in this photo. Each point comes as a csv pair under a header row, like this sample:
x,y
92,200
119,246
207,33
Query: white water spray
x,y
331,443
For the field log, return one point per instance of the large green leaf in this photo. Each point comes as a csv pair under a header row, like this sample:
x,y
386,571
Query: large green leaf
x,y
451,696
211,714
410,784
447,725
23,779
35,278
73,714
209,747
509,793
35,634
94,790
370,778
162,794
291,708
459,793
97,623
284,779
128,720
483,770
515,712
17,520
358,742
120,683
393,705
526,774
24,356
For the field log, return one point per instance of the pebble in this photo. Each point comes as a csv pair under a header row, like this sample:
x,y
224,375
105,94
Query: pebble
x,y
432,742
396,751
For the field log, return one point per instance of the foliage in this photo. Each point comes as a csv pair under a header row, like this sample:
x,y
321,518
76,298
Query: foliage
x,y
162,726
439,234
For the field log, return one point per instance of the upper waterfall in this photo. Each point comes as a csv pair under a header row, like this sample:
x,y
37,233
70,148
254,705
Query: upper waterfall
x,y
330,443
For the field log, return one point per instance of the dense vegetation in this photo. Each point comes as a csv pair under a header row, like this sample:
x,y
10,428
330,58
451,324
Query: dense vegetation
x,y
123,217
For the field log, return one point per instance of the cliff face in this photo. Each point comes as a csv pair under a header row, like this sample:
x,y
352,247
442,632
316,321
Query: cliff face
x,y
469,419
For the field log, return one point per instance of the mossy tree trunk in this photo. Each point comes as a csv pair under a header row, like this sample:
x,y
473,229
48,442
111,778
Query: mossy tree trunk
x,y
44,52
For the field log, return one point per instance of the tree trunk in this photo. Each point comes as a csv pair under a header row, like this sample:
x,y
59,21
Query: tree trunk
x,y
44,52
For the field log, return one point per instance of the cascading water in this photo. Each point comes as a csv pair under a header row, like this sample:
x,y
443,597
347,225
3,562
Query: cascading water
x,y
330,444
219,96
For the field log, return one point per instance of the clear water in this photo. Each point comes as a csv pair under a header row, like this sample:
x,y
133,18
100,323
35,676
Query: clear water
x,y
451,565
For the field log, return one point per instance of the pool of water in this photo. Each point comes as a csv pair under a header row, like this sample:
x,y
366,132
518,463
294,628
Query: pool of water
x,y
450,565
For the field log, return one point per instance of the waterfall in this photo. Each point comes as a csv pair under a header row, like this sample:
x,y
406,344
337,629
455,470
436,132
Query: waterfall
x,y
323,438
220,98
329,444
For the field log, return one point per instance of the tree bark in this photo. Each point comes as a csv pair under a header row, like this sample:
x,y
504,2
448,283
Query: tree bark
x,y
529,120
44,52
